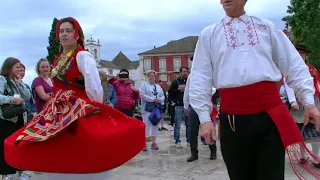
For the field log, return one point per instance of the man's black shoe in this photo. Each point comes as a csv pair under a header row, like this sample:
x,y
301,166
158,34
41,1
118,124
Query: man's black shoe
x,y
192,158
213,156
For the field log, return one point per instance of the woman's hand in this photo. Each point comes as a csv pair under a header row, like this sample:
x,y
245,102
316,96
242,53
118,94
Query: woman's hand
x,y
295,105
17,100
34,115
157,100
133,88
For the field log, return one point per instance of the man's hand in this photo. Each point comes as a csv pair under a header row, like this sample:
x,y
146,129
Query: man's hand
x,y
208,132
312,115
295,105
186,112
181,87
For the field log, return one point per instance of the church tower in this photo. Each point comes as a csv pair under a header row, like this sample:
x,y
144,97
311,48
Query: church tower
x,y
94,48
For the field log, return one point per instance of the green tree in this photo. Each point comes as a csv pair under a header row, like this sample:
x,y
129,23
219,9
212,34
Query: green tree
x,y
53,48
304,19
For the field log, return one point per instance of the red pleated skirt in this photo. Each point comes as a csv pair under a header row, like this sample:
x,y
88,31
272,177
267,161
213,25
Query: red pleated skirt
x,y
94,143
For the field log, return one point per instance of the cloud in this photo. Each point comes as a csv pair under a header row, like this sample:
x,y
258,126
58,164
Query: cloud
x,y
130,26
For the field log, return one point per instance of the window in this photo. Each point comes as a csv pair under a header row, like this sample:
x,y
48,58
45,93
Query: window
x,y
162,65
110,72
176,64
147,65
163,77
95,53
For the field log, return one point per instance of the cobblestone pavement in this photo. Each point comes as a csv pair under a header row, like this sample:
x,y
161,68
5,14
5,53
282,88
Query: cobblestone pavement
x,y
170,164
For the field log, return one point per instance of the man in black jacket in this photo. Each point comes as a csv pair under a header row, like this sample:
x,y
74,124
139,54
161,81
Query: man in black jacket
x,y
176,92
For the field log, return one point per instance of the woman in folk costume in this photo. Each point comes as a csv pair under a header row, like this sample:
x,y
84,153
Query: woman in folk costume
x,y
309,132
76,136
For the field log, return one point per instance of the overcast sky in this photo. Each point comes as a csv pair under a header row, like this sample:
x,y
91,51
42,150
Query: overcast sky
x,y
130,26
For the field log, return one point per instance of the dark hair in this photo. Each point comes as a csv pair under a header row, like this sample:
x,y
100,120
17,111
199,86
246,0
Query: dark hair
x,y
38,64
124,70
22,66
69,20
303,48
76,26
8,65
184,67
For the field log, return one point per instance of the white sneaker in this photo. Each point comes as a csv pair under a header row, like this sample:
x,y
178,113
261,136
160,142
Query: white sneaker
x,y
28,173
171,128
178,145
24,176
10,177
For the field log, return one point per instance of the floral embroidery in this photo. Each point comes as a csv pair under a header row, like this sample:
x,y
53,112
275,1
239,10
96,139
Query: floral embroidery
x,y
254,27
250,30
262,26
63,64
232,35
250,34
226,34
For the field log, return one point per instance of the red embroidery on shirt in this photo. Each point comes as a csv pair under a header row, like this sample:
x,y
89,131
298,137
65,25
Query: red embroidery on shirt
x,y
262,26
226,34
252,33
254,27
232,35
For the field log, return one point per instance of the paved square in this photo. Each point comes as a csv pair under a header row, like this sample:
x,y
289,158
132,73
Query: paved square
x,y
171,163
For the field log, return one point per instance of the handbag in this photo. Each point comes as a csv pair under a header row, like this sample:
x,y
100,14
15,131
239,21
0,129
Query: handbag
x,y
11,110
151,105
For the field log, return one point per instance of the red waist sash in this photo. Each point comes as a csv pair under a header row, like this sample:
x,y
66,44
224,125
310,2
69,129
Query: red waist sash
x,y
265,97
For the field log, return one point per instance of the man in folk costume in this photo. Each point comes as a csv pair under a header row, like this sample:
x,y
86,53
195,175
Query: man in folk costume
x,y
76,136
309,133
242,56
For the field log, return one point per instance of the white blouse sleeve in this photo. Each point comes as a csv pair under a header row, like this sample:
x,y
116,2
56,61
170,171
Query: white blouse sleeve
x,y
290,92
88,68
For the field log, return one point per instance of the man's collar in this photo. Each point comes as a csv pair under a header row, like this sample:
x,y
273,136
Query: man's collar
x,y
243,18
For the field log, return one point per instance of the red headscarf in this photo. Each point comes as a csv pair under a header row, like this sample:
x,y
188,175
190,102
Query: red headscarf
x,y
78,32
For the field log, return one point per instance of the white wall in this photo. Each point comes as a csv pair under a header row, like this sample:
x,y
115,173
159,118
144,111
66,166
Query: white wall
x,y
91,48
114,71
135,74
140,68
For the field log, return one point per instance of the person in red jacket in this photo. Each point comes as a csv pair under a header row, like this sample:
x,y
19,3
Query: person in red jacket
x,y
127,94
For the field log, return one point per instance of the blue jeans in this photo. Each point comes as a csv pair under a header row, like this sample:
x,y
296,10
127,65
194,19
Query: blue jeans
x,y
180,116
